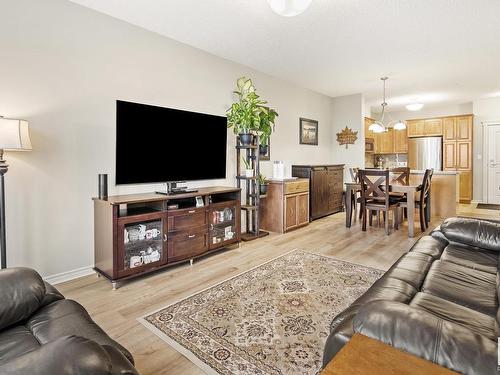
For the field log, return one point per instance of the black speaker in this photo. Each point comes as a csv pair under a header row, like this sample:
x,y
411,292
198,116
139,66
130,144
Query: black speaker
x,y
103,186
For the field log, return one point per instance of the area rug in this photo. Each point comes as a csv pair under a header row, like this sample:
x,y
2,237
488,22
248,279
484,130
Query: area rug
x,y
273,319
485,206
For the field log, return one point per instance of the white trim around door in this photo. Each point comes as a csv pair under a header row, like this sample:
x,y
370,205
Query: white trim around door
x,y
485,156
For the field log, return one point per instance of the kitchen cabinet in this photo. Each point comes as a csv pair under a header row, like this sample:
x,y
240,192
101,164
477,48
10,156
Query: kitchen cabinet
x,y
415,128
425,128
285,206
449,128
464,128
384,142
401,141
457,152
449,155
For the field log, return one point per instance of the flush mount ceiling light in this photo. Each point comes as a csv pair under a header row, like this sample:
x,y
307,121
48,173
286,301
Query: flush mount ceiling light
x,y
380,126
289,8
414,106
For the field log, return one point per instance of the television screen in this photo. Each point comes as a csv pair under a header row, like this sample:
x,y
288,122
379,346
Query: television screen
x,y
155,144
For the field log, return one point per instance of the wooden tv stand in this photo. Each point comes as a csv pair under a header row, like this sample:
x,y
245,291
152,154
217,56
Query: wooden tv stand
x,y
137,234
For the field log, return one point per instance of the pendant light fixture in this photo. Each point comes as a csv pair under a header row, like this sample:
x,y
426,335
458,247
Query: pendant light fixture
x,y
379,126
289,8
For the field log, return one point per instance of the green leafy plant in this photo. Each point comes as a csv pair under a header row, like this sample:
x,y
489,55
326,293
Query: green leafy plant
x,y
250,113
247,163
262,179
266,126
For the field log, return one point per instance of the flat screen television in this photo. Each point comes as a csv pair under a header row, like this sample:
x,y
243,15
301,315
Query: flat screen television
x,y
156,144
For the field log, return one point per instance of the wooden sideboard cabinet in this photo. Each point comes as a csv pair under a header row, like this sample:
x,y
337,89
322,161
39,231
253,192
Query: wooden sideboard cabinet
x,y
286,205
325,188
141,233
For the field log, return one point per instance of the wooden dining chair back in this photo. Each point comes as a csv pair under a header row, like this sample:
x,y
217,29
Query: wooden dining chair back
x,y
422,203
400,175
375,195
354,174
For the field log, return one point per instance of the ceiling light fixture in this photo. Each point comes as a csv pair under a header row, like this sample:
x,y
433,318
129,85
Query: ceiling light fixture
x,y
414,106
289,8
379,126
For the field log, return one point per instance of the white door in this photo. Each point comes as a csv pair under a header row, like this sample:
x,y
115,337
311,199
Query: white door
x,y
493,158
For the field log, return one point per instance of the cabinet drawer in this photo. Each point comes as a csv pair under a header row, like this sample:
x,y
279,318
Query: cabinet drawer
x,y
187,218
296,187
187,245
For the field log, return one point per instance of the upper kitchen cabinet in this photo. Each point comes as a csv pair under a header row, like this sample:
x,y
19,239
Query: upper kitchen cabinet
x,y
415,128
401,141
425,128
449,128
464,128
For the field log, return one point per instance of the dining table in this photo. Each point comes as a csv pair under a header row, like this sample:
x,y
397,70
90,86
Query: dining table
x,y
409,190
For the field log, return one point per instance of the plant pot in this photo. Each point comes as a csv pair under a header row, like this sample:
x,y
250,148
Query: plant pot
x,y
263,150
246,139
263,189
248,172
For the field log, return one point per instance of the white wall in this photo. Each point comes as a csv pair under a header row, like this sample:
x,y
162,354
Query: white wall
x,y
484,110
62,68
348,111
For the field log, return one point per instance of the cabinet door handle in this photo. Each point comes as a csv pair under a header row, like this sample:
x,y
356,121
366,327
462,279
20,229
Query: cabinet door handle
x,y
192,236
191,211
165,237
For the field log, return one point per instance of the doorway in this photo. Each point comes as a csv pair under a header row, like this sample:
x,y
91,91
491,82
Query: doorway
x,y
492,163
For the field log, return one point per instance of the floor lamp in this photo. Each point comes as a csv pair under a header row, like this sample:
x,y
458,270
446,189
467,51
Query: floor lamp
x,y
14,136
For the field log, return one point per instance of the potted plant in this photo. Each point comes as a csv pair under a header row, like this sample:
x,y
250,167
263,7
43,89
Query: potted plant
x,y
263,184
244,116
266,127
248,168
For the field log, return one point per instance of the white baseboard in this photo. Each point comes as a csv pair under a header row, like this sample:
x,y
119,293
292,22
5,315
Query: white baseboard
x,y
476,202
69,275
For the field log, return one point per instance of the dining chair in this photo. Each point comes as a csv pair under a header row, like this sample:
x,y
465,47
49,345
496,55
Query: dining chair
x,y
422,201
355,199
375,196
401,176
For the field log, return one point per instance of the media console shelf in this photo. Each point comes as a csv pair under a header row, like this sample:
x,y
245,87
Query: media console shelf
x,y
137,234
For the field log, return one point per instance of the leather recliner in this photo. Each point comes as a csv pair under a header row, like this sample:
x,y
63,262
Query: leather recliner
x,y
43,333
440,301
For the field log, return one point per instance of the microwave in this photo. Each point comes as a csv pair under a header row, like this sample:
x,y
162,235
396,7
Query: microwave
x,y
369,146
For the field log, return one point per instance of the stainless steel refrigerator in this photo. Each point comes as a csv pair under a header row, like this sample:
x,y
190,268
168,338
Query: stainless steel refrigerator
x,y
425,153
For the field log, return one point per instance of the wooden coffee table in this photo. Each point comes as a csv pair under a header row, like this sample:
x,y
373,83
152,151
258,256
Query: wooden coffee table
x,y
363,355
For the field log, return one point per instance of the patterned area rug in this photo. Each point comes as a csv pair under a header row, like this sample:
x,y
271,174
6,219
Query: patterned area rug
x,y
273,319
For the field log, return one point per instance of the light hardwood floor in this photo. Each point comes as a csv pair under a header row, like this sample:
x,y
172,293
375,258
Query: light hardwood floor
x,y
116,311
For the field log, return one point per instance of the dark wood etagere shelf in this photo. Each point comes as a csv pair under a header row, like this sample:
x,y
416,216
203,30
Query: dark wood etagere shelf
x,y
251,186
137,234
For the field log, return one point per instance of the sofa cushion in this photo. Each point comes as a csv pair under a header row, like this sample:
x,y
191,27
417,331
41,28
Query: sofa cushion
x,y
479,233
486,261
422,334
66,318
16,341
458,314
411,268
430,246
463,285
21,293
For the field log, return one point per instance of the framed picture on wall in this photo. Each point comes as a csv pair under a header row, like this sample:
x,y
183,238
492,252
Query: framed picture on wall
x,y
308,132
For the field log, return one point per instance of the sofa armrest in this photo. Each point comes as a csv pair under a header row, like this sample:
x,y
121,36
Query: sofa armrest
x,y
427,336
22,291
70,355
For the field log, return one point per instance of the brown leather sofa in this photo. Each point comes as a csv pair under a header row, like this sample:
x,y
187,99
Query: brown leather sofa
x,y
42,333
440,301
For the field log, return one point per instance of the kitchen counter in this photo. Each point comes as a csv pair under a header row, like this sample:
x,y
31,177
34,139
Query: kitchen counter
x,y
436,173
444,191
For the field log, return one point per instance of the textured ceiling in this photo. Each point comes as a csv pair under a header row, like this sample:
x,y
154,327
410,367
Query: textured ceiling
x,y
434,51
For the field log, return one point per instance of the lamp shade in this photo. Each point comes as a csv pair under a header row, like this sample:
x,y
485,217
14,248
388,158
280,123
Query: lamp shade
x,y
289,8
14,135
400,125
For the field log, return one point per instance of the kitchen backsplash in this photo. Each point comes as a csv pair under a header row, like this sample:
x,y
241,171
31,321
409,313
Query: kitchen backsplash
x,y
386,160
